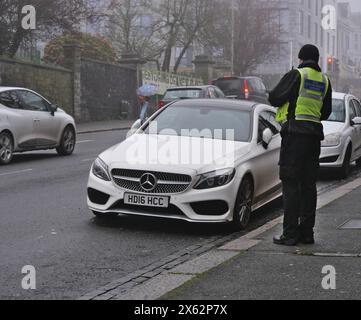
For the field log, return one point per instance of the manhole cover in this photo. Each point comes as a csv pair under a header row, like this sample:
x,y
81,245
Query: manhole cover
x,y
351,225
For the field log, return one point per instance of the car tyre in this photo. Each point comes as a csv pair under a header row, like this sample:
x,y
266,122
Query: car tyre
x,y
346,166
67,143
6,148
243,207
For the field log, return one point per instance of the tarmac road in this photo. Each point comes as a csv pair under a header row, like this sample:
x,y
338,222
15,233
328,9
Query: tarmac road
x,y
44,222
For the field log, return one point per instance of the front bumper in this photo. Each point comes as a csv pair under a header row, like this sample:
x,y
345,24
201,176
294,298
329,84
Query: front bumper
x,y
180,205
332,157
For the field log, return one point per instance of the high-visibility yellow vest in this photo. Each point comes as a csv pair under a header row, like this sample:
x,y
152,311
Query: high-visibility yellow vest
x,y
313,90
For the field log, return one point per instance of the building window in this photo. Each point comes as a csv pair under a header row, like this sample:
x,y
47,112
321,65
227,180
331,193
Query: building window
x,y
301,21
328,42
309,34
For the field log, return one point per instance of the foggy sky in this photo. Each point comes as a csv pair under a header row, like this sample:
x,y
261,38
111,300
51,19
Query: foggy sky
x,y
356,4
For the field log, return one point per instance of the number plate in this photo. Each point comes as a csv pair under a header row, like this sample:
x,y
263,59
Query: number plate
x,y
146,201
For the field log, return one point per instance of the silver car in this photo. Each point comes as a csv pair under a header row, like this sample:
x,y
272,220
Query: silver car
x,y
30,122
342,144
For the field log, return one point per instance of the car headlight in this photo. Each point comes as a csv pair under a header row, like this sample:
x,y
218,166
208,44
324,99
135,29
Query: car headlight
x,y
332,140
100,170
215,179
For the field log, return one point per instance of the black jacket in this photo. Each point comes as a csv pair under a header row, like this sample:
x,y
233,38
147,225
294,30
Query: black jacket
x,y
288,91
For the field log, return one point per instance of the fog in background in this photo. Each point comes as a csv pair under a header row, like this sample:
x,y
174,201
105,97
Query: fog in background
x,y
356,4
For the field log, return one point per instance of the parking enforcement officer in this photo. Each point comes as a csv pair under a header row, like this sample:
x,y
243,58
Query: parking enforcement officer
x,y
304,99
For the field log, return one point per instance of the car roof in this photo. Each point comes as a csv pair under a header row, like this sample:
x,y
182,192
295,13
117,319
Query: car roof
x,y
238,77
190,87
2,89
217,103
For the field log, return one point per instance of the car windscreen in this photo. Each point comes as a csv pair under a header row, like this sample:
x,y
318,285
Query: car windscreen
x,y
230,86
183,94
203,122
338,111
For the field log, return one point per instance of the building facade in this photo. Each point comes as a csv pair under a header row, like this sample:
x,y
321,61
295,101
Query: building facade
x,y
301,23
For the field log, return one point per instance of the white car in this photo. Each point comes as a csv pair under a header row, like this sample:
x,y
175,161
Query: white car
x,y
150,174
30,122
342,144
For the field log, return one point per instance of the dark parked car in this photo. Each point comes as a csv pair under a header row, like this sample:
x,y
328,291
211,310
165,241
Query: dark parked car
x,y
197,92
243,88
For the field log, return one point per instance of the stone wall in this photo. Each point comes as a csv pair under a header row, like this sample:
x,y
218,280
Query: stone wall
x,y
89,90
108,91
54,83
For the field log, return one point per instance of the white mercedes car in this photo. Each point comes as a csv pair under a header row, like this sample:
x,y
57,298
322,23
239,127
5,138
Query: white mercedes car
x,y
30,122
202,160
342,144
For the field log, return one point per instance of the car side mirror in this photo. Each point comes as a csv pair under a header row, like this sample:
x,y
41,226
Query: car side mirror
x,y
267,137
356,121
135,127
53,109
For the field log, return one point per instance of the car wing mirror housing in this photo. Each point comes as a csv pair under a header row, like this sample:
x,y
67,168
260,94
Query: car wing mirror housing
x,y
135,127
53,108
267,137
356,121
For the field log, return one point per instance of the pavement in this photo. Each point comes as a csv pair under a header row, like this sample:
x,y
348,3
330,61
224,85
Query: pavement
x,y
103,126
260,270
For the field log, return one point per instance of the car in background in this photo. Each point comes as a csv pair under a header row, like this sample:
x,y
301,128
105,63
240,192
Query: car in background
x,y
239,173
243,88
196,92
342,144
30,122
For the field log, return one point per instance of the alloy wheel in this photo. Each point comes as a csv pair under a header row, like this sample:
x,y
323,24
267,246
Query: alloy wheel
x,y
244,206
69,140
6,148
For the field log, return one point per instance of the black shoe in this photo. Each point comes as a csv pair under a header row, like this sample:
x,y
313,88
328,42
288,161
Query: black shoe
x,y
283,241
310,240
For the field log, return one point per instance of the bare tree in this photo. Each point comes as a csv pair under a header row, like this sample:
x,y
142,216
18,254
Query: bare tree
x,y
171,16
52,16
133,29
200,16
257,33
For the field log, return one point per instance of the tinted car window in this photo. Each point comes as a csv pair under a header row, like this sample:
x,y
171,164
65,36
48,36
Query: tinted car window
x,y
10,99
230,86
338,111
253,84
357,107
206,122
179,94
31,101
262,86
353,113
220,94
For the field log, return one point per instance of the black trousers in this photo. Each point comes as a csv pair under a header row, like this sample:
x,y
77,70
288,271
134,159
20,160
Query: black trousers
x,y
299,168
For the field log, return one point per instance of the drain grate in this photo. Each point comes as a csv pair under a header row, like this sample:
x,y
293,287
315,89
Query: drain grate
x,y
351,225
